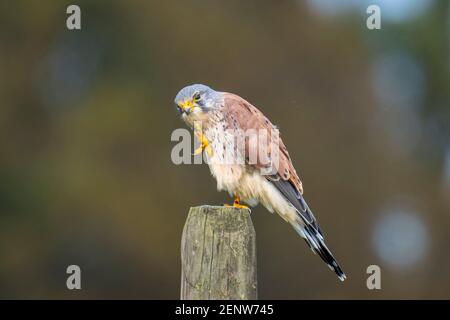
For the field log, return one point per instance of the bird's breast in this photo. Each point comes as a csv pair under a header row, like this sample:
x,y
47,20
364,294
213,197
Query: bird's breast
x,y
226,163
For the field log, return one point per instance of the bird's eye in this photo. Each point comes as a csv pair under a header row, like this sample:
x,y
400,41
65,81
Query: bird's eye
x,y
197,97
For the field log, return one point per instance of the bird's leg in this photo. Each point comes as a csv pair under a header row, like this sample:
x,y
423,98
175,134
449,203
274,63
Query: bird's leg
x,y
237,203
204,143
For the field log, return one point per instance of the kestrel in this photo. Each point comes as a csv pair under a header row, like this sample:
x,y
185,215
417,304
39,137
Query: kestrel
x,y
220,120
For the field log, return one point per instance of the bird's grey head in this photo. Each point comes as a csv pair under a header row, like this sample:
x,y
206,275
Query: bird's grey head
x,y
194,101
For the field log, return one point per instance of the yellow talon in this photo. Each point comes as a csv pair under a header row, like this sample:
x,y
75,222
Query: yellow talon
x,y
209,150
204,144
237,204
198,150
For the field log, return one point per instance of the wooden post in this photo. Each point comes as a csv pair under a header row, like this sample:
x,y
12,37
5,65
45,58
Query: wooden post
x,y
218,254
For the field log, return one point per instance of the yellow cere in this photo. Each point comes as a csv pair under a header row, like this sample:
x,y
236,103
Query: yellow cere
x,y
187,104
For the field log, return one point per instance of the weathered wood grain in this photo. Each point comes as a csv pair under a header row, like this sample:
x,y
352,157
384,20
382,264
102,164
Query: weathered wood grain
x,y
218,254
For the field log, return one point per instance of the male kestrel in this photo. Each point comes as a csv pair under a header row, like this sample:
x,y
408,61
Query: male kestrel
x,y
220,120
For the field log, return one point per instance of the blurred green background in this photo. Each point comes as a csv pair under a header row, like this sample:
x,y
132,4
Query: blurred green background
x,y
86,116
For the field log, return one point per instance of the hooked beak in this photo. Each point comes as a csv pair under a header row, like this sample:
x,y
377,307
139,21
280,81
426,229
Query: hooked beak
x,y
185,107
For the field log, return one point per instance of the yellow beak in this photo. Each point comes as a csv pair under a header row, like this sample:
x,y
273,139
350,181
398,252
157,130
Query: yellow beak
x,y
187,105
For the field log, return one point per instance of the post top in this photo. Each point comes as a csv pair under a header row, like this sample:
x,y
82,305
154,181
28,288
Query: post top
x,y
220,208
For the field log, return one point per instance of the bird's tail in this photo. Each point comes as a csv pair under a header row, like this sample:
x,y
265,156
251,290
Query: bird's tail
x,y
315,241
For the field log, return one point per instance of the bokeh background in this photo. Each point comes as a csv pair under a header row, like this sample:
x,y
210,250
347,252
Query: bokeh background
x,y
86,117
